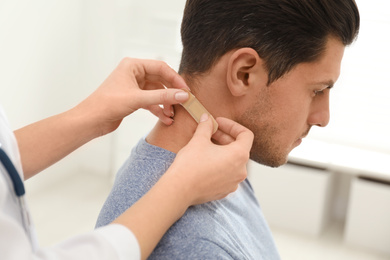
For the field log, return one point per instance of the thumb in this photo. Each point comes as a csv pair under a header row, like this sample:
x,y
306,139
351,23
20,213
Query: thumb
x,y
205,127
162,96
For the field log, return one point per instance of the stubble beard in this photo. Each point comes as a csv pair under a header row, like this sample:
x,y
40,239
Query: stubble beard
x,y
265,149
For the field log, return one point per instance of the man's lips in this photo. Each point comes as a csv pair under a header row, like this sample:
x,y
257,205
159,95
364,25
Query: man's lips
x,y
299,140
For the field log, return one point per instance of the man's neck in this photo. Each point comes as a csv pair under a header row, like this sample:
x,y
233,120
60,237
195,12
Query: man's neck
x,y
212,92
175,136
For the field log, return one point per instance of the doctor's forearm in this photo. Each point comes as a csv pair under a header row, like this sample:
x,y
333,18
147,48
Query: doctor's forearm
x,y
45,142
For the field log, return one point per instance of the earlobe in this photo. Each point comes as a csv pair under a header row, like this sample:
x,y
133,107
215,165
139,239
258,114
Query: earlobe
x,y
242,72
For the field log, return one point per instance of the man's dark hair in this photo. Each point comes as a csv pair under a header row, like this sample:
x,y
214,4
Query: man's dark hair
x,y
283,32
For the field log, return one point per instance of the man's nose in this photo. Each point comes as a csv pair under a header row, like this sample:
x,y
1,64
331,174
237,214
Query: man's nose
x,y
320,114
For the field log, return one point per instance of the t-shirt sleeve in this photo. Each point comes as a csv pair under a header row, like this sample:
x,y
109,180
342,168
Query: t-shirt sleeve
x,y
191,249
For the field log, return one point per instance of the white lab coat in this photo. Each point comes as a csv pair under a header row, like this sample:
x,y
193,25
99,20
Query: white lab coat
x,y
110,242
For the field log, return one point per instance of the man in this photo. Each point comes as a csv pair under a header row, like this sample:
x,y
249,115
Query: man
x,y
267,64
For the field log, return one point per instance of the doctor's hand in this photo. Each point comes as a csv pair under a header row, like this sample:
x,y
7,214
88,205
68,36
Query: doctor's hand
x,y
209,171
134,84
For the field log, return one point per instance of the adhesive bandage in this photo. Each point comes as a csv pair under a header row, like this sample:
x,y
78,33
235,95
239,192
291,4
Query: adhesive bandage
x,y
196,110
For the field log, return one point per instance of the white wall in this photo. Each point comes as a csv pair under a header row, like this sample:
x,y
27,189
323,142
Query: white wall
x,y
53,54
41,62
40,57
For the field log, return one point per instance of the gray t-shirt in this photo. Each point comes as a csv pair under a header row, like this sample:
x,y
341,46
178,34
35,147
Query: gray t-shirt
x,y
231,228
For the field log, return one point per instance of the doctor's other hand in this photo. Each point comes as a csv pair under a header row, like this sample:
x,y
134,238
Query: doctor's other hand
x,y
208,171
132,85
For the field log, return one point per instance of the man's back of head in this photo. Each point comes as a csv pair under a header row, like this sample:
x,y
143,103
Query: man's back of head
x,y
283,32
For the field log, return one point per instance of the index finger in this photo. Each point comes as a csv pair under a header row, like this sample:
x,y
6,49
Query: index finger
x,y
241,134
159,71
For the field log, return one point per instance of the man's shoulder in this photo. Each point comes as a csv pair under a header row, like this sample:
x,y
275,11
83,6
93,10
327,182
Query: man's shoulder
x,y
143,168
144,152
145,165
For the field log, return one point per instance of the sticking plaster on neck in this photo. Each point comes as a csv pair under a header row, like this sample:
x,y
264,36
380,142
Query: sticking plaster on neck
x,y
196,110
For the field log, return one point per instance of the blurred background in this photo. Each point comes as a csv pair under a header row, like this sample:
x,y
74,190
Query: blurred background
x,y
331,201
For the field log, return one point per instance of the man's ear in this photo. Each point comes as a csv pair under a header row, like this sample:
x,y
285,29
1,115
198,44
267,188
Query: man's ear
x,y
245,69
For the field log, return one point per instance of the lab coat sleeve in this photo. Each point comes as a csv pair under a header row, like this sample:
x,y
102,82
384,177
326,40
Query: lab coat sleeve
x,y
111,242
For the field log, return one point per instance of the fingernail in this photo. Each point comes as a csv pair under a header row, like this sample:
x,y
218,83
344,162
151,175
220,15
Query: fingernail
x,y
204,117
181,96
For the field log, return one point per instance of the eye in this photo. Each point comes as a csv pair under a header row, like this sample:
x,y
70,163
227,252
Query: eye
x,y
320,92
